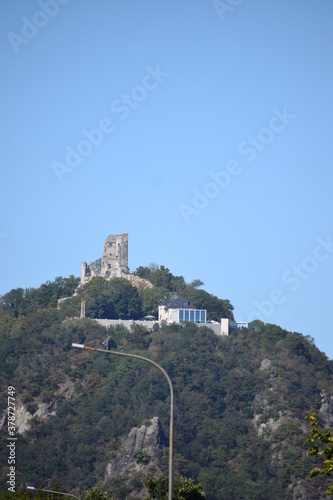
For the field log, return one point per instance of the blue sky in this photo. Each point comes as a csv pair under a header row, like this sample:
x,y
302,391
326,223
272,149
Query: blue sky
x,y
201,128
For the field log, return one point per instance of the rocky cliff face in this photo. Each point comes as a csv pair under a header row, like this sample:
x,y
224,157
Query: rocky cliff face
x,y
326,410
141,450
44,410
268,418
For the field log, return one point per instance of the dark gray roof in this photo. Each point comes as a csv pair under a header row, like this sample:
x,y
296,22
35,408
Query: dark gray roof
x,y
178,303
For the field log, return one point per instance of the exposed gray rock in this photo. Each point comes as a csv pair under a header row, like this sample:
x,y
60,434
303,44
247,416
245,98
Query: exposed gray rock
x,y
3,419
148,439
326,409
300,491
23,417
266,429
266,363
66,389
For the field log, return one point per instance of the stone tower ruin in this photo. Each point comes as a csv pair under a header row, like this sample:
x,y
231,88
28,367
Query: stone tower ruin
x,y
114,261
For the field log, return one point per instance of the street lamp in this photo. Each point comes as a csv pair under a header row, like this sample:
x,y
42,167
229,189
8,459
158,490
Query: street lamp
x,y
52,491
115,353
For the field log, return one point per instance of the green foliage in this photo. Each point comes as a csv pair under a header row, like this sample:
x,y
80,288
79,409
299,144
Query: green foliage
x,y
114,299
151,298
19,302
183,488
12,301
197,283
216,308
141,457
161,277
94,400
34,495
186,489
94,494
322,444
156,488
98,264
166,284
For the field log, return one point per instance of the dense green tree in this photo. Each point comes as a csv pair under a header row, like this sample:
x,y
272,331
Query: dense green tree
x,y
13,300
163,279
94,494
112,299
322,445
151,298
183,489
23,302
196,283
216,308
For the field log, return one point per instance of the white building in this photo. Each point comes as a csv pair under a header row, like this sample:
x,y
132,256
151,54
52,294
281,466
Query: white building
x,y
179,310
229,325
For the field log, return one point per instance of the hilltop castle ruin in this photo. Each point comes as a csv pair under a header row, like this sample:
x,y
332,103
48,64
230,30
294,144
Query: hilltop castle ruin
x,y
114,261
113,264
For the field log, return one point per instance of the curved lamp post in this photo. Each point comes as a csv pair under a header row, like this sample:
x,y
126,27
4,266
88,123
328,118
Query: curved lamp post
x,y
52,491
115,353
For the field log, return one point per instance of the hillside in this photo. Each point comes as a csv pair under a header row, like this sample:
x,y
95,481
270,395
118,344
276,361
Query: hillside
x,y
240,401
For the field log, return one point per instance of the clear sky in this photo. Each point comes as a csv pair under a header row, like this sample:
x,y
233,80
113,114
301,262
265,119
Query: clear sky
x,y
201,128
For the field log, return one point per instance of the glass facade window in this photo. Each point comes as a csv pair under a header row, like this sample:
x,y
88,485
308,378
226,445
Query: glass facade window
x,y
192,315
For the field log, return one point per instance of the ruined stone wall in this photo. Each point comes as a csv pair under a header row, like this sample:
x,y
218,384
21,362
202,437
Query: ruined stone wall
x,y
127,323
114,261
137,281
115,256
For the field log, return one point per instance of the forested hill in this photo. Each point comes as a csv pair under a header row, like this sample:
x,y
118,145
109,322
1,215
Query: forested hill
x,y
240,401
